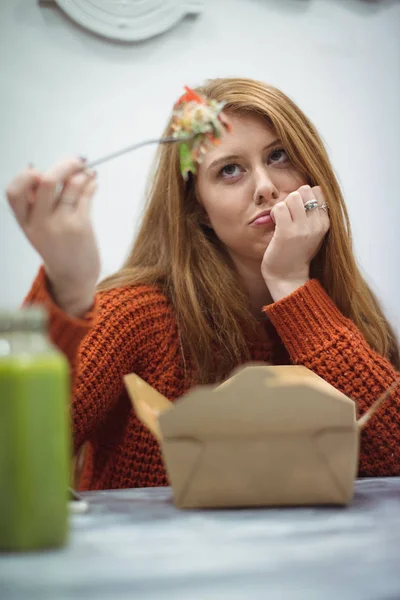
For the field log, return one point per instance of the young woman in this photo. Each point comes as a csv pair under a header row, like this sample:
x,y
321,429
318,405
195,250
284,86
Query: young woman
x,y
251,259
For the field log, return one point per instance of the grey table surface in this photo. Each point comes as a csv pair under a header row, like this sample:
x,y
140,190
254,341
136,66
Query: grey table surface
x,y
136,544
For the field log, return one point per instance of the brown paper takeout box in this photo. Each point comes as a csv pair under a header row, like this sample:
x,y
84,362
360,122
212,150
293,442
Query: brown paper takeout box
x,y
267,436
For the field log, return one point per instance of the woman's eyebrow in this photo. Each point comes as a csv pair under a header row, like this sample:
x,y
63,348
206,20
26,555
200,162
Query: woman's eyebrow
x,y
231,157
273,143
222,160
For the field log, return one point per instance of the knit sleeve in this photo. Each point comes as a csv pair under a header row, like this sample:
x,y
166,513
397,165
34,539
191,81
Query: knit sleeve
x,y
101,348
318,336
65,332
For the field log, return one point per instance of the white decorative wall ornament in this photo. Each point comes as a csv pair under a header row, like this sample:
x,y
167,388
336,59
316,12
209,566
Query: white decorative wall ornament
x,y
128,20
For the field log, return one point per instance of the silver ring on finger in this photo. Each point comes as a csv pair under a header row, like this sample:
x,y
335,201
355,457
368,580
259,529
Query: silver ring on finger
x,y
311,205
324,207
63,199
59,189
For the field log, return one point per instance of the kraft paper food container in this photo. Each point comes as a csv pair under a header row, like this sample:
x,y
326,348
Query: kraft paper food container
x,y
267,436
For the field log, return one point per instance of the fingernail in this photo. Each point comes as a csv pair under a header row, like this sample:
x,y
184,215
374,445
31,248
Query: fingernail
x,y
82,159
91,173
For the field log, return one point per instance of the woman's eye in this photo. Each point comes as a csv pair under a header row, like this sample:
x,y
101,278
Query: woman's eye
x,y
278,156
230,171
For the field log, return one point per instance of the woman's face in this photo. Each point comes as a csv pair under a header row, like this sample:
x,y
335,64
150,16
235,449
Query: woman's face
x,y
243,177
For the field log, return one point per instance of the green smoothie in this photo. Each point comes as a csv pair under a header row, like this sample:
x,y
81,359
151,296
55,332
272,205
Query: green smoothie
x,y
34,436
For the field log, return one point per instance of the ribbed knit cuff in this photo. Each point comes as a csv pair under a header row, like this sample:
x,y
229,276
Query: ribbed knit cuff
x,y
65,331
307,319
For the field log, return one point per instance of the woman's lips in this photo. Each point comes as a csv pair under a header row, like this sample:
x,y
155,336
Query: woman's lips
x,y
262,220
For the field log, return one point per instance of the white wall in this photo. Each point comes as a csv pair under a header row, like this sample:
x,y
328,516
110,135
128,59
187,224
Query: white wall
x,y
64,91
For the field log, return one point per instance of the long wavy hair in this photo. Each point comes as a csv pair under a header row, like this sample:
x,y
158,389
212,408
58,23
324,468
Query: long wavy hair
x,y
176,251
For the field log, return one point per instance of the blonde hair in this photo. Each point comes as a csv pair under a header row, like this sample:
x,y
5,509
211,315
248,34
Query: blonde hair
x,y
177,252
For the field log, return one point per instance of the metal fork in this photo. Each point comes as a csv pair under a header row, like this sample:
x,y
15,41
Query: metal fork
x,y
165,140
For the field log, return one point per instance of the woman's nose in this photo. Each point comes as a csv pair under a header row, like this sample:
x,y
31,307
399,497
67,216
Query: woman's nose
x,y
265,190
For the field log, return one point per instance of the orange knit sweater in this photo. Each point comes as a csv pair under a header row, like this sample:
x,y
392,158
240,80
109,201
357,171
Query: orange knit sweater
x,y
133,329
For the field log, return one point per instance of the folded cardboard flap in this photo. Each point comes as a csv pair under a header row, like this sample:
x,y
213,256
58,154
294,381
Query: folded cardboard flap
x,y
147,402
247,406
266,436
